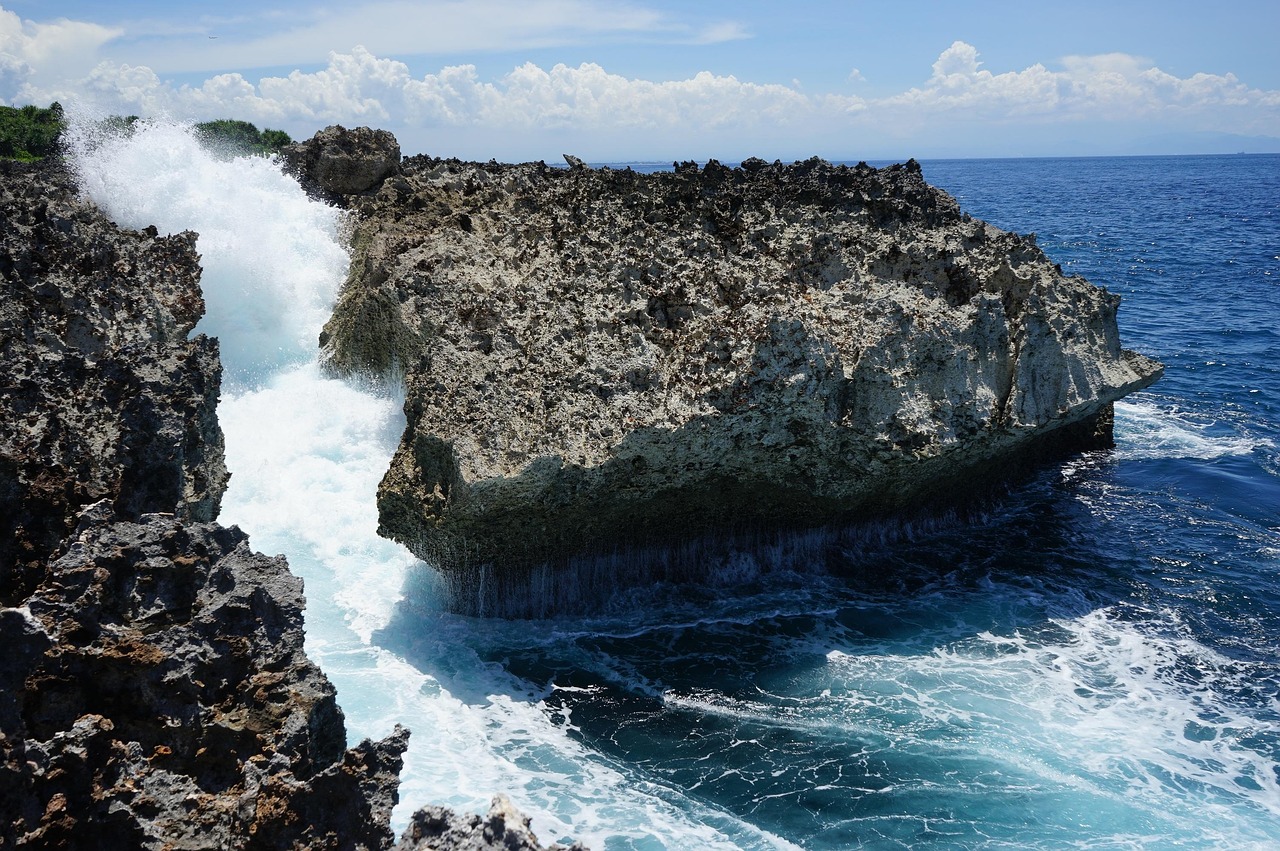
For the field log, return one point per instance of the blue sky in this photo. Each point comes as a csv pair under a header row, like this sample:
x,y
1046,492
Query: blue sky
x,y
663,80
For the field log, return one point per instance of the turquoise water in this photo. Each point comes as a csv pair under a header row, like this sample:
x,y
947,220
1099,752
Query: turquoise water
x,y
1091,664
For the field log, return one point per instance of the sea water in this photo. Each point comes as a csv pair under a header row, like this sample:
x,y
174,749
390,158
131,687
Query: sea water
x,y
1092,664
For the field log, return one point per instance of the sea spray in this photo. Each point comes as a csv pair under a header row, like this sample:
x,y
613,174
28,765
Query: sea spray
x,y
306,453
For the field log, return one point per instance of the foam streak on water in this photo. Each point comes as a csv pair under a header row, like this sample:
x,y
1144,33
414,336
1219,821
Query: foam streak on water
x,y
306,453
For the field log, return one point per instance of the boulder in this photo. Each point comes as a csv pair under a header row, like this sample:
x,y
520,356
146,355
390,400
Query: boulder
x,y
503,828
602,362
337,161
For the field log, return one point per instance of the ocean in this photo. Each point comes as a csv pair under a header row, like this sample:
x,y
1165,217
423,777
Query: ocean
x,y
1090,663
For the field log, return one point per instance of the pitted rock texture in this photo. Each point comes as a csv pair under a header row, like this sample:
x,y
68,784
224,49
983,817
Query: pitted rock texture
x,y
503,828
101,393
337,161
600,359
156,695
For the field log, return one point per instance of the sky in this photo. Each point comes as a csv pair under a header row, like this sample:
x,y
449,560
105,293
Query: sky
x,y
657,80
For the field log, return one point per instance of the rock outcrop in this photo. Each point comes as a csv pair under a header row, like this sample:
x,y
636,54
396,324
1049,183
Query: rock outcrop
x,y
154,692
157,696
602,360
102,395
503,828
337,161
153,688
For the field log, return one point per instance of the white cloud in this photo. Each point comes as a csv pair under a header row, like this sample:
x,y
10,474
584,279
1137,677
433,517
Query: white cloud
x,y
27,49
360,87
721,115
1115,87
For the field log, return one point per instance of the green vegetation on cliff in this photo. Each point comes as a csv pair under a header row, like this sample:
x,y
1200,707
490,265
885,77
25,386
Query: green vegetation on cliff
x,y
241,137
30,132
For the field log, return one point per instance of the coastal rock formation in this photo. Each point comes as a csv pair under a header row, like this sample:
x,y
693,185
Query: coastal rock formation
x,y
158,696
102,395
337,161
154,692
602,360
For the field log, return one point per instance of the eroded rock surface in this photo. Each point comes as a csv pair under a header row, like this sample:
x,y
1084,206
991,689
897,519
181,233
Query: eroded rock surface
x,y
159,697
102,396
337,161
599,360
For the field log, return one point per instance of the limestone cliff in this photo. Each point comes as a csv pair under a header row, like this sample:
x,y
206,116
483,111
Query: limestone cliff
x,y
600,360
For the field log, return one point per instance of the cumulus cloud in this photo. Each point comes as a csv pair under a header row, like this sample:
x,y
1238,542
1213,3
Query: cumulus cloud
x,y
1114,86
361,87
720,112
27,48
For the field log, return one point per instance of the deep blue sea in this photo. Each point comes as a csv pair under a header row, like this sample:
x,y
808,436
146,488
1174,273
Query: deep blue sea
x,y
1093,664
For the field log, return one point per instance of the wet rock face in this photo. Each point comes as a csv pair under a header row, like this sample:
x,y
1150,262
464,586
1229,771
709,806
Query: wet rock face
x,y
337,161
158,696
599,360
101,393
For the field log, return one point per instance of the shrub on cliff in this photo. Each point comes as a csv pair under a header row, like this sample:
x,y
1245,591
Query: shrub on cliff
x,y
30,132
241,137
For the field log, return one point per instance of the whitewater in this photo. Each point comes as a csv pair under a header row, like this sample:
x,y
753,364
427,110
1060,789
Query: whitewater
x,y
1001,686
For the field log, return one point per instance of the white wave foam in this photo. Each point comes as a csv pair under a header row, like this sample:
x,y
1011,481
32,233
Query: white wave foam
x,y
306,454
272,259
1146,431
1121,713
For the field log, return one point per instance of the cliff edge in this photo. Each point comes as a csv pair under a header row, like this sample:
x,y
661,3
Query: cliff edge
x,y
154,692
600,361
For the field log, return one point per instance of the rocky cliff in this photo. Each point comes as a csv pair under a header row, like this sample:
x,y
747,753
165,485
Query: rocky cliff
x,y
154,692
153,688
103,395
600,361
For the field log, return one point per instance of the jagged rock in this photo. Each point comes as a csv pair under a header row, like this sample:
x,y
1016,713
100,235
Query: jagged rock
x,y
338,161
600,360
161,698
153,687
503,828
101,393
